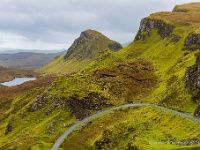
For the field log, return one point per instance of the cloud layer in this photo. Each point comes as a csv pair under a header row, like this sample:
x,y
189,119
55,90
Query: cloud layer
x,y
54,24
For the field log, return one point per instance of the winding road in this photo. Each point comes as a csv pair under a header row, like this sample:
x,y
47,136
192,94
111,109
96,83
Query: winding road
x,y
68,131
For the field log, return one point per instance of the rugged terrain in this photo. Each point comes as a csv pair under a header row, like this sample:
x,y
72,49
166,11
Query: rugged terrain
x,y
160,66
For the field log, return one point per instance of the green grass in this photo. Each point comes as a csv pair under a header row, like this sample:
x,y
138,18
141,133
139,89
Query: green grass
x,y
150,71
144,128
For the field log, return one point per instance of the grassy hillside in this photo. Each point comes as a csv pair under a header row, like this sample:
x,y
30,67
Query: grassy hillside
x,y
8,94
135,128
27,60
7,74
151,69
83,51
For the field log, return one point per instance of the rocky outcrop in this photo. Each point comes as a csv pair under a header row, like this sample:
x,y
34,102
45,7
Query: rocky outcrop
x,y
175,38
146,25
197,111
86,34
115,46
78,107
192,41
82,108
192,79
38,103
192,76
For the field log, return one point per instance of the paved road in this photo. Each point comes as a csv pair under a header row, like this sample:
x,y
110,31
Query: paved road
x,y
64,136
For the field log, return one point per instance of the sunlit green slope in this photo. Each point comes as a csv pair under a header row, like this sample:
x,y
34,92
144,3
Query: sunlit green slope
x,y
152,69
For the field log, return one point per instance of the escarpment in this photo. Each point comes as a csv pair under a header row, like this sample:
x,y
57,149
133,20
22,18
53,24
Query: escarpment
x,y
192,41
146,25
192,79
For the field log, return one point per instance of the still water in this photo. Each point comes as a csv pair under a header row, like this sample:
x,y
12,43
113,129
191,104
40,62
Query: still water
x,y
17,81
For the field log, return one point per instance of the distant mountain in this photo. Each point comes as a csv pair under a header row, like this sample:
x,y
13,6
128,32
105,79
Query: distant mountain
x,y
85,49
27,60
30,51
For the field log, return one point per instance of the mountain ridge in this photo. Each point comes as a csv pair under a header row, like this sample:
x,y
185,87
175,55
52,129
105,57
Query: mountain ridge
x,y
27,60
86,48
152,69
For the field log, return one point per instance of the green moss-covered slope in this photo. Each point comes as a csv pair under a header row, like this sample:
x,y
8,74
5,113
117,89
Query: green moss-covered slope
x,y
152,69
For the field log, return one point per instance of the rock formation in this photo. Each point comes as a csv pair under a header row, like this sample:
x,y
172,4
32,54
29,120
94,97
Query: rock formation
x,y
146,25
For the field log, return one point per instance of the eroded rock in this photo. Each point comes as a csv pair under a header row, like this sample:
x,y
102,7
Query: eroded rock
x,y
38,103
115,46
192,41
146,25
192,79
192,75
86,34
82,107
197,111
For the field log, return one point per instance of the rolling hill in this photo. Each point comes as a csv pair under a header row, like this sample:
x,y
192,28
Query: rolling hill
x,y
161,67
27,60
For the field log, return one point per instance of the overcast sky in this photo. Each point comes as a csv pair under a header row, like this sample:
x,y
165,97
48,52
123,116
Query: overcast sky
x,y
54,24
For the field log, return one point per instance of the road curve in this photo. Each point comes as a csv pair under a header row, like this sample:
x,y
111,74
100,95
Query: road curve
x,y
68,131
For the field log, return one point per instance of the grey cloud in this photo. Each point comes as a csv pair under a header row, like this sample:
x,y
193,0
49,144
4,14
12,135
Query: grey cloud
x,y
60,21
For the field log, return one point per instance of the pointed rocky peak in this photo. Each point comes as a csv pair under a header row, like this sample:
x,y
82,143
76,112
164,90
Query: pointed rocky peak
x,y
90,44
90,34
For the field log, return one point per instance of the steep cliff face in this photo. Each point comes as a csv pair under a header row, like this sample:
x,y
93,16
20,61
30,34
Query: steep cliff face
x,y
192,76
192,42
192,79
146,25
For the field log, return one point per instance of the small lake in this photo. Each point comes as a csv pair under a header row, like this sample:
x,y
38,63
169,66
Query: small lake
x,y
17,81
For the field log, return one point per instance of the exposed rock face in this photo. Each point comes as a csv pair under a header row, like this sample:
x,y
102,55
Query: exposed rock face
x,y
86,34
192,75
81,108
38,103
192,78
192,42
146,25
115,46
197,111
